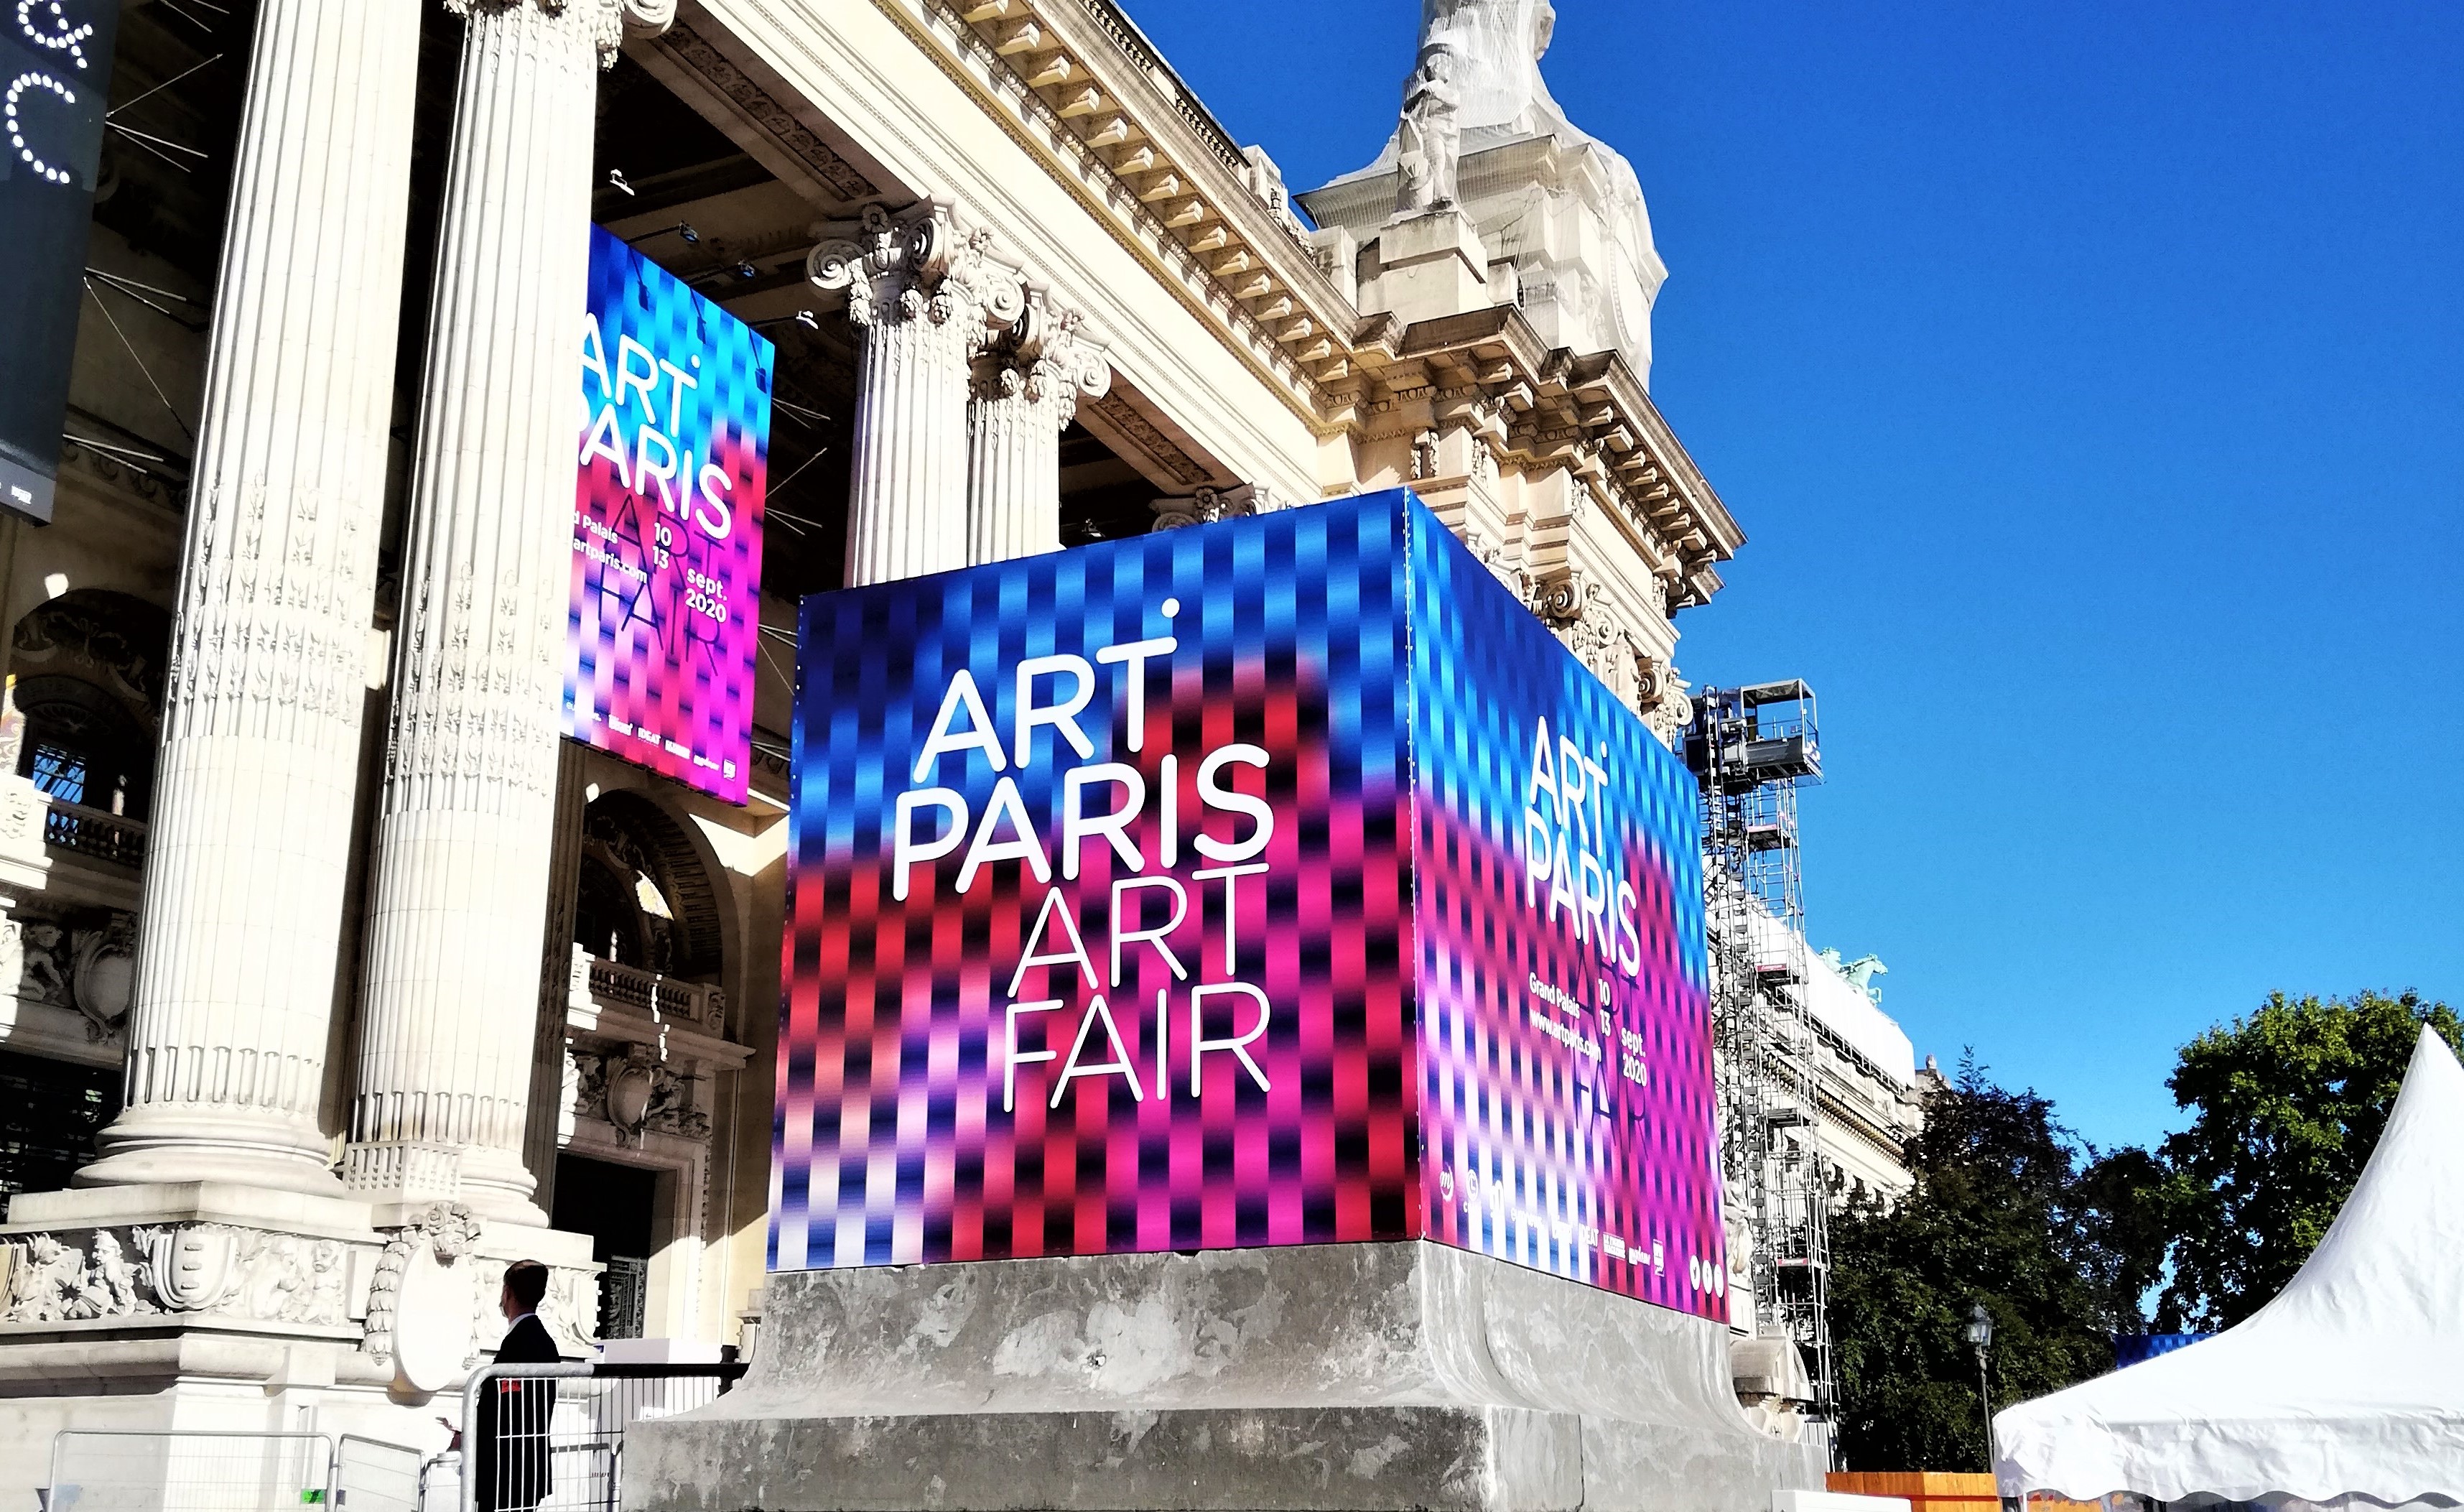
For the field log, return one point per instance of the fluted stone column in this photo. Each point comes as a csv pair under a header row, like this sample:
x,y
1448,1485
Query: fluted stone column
x,y
1027,393
925,300
251,829
464,839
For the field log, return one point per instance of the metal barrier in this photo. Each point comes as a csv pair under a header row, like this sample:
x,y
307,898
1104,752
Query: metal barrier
x,y
551,1437
373,1476
97,1471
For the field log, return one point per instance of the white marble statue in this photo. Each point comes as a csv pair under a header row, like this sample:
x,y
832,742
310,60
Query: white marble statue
x,y
1475,87
1429,141
1495,47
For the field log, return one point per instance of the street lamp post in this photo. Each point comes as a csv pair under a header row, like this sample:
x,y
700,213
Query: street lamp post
x,y
1980,1337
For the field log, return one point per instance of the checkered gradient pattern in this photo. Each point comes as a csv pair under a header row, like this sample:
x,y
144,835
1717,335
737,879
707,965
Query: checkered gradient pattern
x,y
1591,1151
917,1122
893,1142
666,611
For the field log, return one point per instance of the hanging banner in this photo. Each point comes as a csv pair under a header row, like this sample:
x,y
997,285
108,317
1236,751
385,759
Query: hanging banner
x,y
666,525
54,88
1278,881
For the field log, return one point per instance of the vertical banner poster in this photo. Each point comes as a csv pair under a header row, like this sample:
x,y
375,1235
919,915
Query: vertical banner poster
x,y
54,88
1277,881
664,613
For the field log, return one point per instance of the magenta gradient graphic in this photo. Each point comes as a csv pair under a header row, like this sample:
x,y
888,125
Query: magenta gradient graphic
x,y
1281,881
667,532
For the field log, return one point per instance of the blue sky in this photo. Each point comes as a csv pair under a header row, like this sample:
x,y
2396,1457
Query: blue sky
x,y
2090,379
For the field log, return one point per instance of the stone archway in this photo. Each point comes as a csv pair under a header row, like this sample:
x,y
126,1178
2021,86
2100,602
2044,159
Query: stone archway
x,y
642,898
88,670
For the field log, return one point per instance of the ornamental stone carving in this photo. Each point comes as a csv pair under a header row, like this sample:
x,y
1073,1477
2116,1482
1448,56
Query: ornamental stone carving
x,y
1206,506
179,1269
607,22
920,269
1046,361
571,1311
1566,600
78,960
646,20
442,1236
110,640
668,1099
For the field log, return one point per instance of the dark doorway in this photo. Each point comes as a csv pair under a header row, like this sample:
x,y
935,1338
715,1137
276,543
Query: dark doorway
x,y
614,1205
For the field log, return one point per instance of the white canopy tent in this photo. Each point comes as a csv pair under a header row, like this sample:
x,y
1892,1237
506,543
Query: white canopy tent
x,y
2347,1388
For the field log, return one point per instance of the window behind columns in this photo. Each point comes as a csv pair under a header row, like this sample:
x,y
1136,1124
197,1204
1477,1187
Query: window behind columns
x,y
643,899
89,668
49,1111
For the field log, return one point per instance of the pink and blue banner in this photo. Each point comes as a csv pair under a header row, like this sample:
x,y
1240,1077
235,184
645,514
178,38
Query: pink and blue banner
x,y
667,528
1279,881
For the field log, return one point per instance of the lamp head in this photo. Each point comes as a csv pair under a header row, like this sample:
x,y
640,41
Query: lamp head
x,y
1980,1328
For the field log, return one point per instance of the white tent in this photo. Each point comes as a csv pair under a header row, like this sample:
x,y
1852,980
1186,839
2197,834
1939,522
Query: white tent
x,y
2349,1384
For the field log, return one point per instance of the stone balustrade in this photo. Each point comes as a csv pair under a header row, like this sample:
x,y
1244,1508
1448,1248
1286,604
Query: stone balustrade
x,y
600,983
93,833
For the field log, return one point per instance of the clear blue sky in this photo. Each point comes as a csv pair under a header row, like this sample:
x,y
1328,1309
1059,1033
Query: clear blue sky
x,y
2090,379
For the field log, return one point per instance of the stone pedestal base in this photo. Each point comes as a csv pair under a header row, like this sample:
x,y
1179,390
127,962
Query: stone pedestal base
x,y
1360,1377
1427,268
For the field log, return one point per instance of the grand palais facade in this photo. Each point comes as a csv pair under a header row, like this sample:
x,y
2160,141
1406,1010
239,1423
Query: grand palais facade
x,y
338,976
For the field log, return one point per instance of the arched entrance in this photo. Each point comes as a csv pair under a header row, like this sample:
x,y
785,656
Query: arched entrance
x,y
647,1035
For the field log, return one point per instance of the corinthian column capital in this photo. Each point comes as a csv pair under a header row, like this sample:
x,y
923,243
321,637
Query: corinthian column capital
x,y
920,266
1048,360
646,19
605,23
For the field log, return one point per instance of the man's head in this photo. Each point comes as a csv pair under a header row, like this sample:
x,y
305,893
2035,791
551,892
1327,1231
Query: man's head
x,y
526,1285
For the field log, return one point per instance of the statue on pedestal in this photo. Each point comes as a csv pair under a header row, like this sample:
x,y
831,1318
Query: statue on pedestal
x,y
1563,208
1429,144
1492,51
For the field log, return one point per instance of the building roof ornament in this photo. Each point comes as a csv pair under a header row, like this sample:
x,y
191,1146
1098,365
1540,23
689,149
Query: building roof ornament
x,y
1481,134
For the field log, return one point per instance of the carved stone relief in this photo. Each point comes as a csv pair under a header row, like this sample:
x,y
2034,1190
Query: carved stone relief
x,y
188,1268
673,1106
719,72
111,640
1207,505
79,960
1125,420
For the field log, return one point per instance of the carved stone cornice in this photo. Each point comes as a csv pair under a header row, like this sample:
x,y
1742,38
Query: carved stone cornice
x,y
714,70
1546,408
1135,430
1074,85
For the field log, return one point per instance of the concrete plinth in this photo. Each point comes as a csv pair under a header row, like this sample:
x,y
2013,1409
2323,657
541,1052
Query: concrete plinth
x,y
1429,267
1361,1377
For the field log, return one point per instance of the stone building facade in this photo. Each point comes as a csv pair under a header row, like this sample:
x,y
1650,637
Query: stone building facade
x,y
336,980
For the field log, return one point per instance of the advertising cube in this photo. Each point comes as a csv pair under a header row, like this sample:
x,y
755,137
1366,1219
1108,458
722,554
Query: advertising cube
x,y
1278,881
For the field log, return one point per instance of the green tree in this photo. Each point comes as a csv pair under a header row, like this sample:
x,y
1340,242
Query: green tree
x,y
1999,1216
2290,1101
2125,1206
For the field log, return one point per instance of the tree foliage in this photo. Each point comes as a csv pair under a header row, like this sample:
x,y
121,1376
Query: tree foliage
x,y
1999,1216
2063,1244
2290,1103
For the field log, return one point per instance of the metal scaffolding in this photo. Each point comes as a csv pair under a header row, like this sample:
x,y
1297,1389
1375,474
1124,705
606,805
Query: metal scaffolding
x,y
1750,749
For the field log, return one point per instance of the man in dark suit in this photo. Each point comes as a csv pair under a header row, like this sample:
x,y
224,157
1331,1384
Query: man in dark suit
x,y
510,1457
